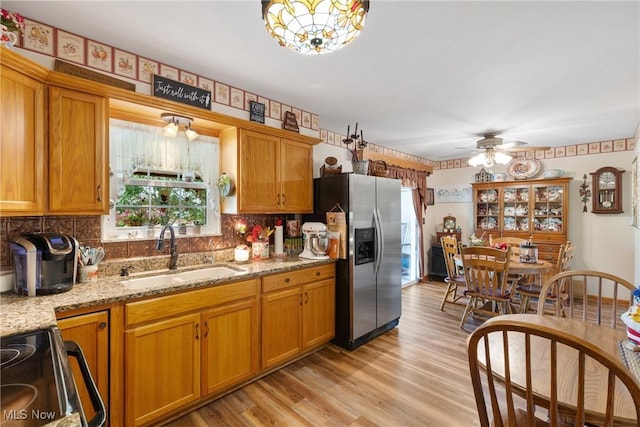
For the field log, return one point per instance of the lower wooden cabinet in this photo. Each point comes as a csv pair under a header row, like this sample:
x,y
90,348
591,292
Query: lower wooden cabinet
x,y
230,345
180,348
298,313
162,368
91,332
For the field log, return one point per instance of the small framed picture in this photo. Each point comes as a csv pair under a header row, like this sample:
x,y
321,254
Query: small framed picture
x,y
430,197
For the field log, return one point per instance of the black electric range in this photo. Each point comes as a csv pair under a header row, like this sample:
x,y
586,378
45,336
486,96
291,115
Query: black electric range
x,y
37,386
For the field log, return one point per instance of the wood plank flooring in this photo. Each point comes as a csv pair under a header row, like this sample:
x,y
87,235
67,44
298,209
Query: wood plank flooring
x,y
414,375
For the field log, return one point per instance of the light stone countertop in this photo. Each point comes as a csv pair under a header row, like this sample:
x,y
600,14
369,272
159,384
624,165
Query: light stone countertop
x,y
22,314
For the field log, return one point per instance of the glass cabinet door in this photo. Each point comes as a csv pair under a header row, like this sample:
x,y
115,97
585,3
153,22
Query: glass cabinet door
x,y
515,205
487,209
548,214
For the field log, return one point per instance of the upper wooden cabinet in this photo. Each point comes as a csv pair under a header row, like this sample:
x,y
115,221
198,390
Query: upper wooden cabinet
x,y
273,174
66,173
22,143
538,208
78,152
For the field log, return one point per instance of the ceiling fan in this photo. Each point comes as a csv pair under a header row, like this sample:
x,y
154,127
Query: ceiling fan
x,y
493,149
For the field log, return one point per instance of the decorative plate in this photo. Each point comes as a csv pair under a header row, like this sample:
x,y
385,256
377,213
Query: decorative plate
x,y
523,168
225,185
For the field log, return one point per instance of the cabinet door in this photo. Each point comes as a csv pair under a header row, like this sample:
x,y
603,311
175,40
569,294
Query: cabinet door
x,y
162,368
230,345
296,165
22,147
91,332
516,211
549,210
78,152
259,180
318,313
281,323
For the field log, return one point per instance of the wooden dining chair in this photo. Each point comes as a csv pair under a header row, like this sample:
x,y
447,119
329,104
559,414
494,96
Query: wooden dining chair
x,y
485,271
593,296
455,279
531,290
502,378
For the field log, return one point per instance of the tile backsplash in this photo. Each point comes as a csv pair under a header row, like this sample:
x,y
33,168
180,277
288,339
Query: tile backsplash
x,y
86,229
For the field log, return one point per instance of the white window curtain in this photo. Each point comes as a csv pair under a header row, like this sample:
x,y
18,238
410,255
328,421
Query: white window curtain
x,y
137,147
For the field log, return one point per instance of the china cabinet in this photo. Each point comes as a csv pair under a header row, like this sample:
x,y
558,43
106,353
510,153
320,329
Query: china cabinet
x,y
607,190
524,208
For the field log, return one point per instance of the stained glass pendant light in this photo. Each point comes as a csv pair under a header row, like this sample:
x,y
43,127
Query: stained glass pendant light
x,y
314,26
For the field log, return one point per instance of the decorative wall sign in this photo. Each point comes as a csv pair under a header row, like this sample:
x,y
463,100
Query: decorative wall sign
x,y
453,194
163,87
74,70
256,112
290,122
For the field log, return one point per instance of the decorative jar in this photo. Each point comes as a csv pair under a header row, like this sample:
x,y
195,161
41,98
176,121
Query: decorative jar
x,y
260,251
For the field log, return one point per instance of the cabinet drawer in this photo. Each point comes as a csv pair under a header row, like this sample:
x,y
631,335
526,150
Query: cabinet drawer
x,y
170,305
297,277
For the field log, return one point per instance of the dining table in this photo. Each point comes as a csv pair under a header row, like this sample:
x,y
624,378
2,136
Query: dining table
x,y
605,338
535,270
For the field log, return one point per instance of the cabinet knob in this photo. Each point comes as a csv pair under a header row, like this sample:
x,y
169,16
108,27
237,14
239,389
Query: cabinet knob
x,y
102,325
287,280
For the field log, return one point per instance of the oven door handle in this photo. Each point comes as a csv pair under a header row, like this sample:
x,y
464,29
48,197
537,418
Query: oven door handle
x,y
74,350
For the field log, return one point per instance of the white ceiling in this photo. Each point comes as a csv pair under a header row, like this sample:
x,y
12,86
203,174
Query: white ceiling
x,y
424,77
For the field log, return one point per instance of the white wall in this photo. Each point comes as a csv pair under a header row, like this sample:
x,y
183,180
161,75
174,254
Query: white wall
x,y
603,242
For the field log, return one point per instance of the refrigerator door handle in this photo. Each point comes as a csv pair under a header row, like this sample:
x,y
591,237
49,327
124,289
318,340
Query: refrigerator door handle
x,y
379,240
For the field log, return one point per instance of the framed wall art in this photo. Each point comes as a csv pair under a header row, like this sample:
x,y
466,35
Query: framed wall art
x,y
430,197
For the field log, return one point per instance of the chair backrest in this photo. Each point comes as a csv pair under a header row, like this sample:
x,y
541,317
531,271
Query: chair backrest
x,y
488,375
592,296
565,258
486,269
450,249
513,242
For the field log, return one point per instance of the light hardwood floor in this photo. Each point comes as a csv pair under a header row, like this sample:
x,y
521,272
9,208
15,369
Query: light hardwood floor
x,y
414,375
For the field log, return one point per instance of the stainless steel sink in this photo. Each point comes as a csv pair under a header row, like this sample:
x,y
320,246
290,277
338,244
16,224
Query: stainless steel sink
x,y
218,272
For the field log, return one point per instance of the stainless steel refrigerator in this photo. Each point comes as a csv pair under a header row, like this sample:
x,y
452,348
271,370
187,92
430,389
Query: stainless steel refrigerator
x,y
368,283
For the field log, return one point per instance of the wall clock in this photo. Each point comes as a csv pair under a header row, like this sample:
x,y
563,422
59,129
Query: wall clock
x,y
449,224
607,190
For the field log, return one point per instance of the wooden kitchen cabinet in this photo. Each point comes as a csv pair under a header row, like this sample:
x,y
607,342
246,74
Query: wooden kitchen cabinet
x,y
524,208
162,368
273,174
183,347
78,152
22,138
298,312
91,332
230,345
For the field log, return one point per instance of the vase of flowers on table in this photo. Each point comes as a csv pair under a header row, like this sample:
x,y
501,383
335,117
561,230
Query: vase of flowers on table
x,y
259,239
631,318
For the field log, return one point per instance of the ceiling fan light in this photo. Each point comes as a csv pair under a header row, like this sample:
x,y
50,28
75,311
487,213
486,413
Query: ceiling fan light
x,y
477,160
314,27
502,158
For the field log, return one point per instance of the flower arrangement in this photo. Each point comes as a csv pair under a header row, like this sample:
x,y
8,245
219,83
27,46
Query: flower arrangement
x,y
259,234
12,21
502,246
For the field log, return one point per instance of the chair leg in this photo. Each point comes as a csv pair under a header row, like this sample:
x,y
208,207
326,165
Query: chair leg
x,y
467,309
451,288
524,303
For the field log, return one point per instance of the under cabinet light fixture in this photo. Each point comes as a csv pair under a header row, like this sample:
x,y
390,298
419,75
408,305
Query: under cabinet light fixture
x,y
174,121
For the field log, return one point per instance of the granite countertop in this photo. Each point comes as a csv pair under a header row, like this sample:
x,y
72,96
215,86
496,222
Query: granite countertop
x,y
21,314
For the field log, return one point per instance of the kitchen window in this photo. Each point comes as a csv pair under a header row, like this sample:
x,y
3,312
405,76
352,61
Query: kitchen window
x,y
157,180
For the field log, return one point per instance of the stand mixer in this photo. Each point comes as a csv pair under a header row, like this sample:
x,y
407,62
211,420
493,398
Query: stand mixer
x,y
316,242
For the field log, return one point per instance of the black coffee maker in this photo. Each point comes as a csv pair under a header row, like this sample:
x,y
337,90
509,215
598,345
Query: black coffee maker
x,y
44,263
